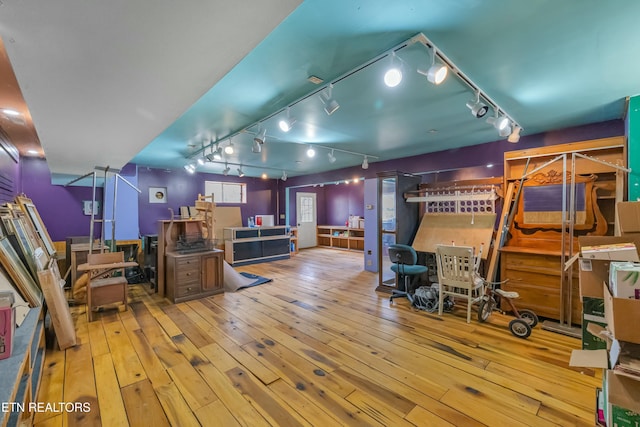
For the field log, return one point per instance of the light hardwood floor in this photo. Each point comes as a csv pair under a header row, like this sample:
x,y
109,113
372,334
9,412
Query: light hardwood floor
x,y
317,346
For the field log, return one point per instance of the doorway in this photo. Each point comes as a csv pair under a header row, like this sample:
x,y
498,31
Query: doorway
x,y
307,220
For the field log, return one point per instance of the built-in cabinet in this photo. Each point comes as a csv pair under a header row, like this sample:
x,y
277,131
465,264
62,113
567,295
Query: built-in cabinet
x,y
542,236
20,374
341,237
246,245
194,275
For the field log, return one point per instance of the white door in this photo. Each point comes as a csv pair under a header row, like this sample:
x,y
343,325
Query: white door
x,y
306,215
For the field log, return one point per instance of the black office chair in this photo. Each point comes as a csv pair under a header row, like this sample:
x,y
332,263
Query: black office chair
x,y
404,259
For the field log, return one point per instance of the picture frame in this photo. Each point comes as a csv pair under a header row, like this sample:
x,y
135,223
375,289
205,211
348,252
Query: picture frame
x,y
32,214
157,195
19,275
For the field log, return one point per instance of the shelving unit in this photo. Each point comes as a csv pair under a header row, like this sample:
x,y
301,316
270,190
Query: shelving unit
x,y
247,245
21,373
341,237
293,236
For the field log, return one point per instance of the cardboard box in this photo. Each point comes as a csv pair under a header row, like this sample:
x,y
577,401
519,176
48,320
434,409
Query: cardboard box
x,y
593,314
622,400
624,279
594,271
625,251
622,316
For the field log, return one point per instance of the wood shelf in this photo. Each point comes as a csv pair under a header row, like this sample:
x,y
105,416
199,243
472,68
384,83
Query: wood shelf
x,y
341,237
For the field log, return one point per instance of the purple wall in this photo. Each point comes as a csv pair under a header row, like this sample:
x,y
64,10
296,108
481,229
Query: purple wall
x,y
183,189
61,207
456,164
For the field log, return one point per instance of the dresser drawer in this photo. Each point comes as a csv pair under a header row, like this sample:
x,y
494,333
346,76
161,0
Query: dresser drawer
x,y
188,263
187,275
187,289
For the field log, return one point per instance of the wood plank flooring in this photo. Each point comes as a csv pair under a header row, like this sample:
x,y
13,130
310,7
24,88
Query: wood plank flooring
x,y
316,347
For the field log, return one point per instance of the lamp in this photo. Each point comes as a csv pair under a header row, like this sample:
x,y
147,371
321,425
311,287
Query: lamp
x,y
260,137
365,163
191,168
286,123
393,76
499,122
477,107
257,146
226,169
330,104
437,72
284,176
515,134
332,158
505,131
240,172
217,155
229,148
201,161
311,152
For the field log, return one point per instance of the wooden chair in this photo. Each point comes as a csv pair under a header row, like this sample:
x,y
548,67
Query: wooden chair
x,y
457,275
104,286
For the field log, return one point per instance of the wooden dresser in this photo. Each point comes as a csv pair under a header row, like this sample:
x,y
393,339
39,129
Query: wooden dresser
x,y
536,275
194,275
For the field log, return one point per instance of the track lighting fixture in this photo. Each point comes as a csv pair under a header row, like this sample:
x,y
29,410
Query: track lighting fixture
x,y
499,122
515,134
260,137
217,154
393,76
240,172
365,163
191,168
311,152
284,176
505,131
229,148
477,107
226,169
200,161
332,158
257,146
437,72
287,123
330,104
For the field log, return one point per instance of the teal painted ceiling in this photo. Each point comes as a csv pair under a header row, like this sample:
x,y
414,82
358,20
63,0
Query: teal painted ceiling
x,y
548,64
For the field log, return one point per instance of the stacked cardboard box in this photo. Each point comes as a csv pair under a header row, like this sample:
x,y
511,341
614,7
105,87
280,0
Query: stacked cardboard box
x,y
602,259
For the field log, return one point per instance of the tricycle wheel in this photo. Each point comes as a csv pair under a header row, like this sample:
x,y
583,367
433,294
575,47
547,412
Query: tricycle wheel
x,y
484,310
520,328
529,316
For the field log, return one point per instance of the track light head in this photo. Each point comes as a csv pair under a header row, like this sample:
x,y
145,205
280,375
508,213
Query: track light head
x,y
257,146
217,155
393,76
515,134
478,108
284,176
311,152
330,104
226,170
498,122
261,137
505,131
332,158
240,172
191,168
229,148
365,163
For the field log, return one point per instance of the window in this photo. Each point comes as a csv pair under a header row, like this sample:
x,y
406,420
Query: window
x,y
226,192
